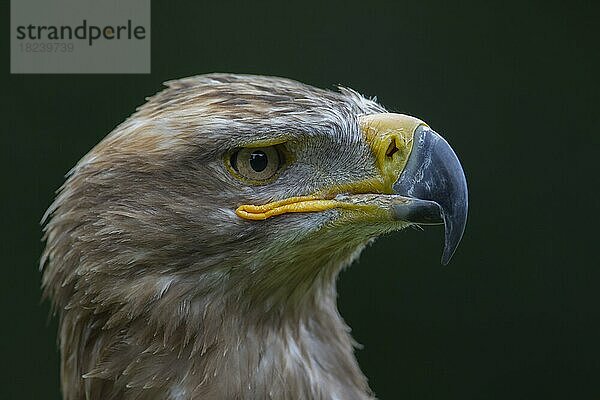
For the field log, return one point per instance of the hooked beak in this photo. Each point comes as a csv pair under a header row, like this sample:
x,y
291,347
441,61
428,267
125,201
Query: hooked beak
x,y
435,182
423,171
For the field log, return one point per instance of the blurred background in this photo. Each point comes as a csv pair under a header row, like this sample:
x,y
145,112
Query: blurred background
x,y
513,87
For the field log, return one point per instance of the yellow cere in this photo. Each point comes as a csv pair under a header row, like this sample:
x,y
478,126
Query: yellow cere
x,y
390,137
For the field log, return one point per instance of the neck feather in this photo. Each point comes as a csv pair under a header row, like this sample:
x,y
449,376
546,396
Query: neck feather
x,y
185,341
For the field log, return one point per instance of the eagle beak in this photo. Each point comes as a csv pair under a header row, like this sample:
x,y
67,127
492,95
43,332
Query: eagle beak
x,y
434,180
427,173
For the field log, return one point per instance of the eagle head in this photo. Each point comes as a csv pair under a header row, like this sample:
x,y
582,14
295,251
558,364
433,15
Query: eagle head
x,y
193,253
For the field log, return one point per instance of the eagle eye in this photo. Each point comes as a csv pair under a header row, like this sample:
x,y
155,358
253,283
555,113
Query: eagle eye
x,y
256,163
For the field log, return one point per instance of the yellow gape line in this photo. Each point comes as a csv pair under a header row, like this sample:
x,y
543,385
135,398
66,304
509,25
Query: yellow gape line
x,y
289,205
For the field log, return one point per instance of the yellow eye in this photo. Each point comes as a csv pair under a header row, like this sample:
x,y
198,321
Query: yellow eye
x,y
257,164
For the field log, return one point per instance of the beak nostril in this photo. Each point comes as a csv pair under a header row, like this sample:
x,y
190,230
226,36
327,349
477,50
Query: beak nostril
x,y
392,148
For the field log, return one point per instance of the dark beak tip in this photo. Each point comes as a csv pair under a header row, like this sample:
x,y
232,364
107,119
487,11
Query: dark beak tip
x,y
433,173
455,224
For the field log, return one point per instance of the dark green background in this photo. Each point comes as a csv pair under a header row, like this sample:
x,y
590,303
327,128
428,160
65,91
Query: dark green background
x,y
513,87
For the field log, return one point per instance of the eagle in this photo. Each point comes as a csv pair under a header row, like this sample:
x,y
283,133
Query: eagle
x,y
193,252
